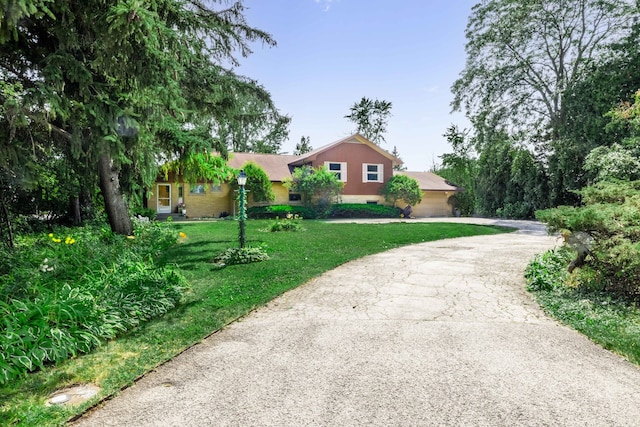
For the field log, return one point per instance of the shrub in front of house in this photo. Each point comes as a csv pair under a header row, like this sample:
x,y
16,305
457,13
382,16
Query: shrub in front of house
x,y
339,210
279,211
360,210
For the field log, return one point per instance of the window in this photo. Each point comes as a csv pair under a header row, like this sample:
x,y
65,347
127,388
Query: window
x,y
339,168
202,188
295,197
372,172
196,189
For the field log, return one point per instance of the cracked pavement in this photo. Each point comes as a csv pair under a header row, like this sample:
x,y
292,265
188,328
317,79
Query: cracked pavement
x,y
434,334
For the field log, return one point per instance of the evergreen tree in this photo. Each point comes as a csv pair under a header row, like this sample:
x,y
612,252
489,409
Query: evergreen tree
x,y
123,85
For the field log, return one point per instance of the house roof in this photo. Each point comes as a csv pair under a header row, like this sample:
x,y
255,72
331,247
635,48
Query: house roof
x,y
352,139
276,166
429,181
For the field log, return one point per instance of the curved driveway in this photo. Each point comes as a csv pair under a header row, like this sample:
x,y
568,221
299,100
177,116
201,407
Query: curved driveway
x,y
434,334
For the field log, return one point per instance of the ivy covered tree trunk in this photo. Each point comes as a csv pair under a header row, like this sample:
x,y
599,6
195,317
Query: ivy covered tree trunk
x,y
115,206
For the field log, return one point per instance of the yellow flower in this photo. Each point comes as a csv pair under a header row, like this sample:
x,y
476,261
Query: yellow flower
x,y
56,240
131,237
50,234
69,240
182,234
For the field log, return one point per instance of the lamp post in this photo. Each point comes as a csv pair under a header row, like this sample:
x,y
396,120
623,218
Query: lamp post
x,y
242,180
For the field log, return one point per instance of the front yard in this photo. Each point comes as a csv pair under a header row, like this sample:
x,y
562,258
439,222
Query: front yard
x,y
216,297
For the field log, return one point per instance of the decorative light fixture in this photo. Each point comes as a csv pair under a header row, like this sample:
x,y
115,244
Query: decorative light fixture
x,y
242,179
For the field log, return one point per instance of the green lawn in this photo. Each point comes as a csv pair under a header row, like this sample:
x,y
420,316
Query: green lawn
x,y
216,297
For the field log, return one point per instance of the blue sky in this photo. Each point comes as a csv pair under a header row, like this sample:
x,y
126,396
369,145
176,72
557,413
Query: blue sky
x,y
331,53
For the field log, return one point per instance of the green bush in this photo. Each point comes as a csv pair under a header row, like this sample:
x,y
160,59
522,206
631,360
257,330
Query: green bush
x,y
402,187
610,220
279,211
548,270
361,210
339,210
234,256
65,292
516,210
145,212
288,223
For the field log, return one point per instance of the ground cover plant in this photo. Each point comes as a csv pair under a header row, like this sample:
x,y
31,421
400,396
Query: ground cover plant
x,y
608,319
65,292
215,298
593,282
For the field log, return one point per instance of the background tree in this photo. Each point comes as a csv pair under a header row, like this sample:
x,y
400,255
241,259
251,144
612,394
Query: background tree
x,y
122,86
402,188
523,55
460,168
371,118
253,124
398,166
603,86
304,146
318,187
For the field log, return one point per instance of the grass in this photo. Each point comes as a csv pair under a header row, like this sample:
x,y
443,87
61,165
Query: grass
x,y
579,301
216,298
613,323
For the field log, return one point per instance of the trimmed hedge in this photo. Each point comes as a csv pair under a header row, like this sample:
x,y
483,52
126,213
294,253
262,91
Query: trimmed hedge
x,y
341,210
361,210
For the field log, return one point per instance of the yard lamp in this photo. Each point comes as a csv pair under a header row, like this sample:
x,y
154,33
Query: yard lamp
x,y
242,180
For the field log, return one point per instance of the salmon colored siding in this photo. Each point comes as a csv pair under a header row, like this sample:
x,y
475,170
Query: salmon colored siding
x,y
347,152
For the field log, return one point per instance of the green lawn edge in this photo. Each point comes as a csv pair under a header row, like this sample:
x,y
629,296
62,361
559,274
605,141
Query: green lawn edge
x,y
217,298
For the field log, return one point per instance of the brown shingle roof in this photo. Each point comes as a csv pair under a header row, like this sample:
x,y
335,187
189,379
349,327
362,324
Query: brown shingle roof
x,y
276,166
356,138
429,181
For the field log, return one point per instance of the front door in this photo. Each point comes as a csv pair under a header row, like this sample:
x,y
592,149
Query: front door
x,y
164,198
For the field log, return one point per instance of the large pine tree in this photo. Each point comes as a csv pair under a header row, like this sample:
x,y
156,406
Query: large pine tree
x,y
120,85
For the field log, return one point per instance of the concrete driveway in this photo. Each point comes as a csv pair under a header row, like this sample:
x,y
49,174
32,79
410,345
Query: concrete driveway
x,y
434,334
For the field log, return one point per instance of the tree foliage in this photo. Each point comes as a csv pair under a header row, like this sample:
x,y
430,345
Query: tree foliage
x,y
460,168
371,118
523,55
402,188
119,87
605,233
304,146
258,183
510,182
319,187
253,124
397,166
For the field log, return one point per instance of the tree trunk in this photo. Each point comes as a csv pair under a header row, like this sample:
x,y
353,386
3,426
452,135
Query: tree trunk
x,y
114,204
7,225
75,211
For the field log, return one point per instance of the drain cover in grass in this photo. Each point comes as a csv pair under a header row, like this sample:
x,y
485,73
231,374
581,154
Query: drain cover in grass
x,y
73,395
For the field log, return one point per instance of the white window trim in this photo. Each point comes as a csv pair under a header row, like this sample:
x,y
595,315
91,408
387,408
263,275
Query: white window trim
x,y
379,173
343,169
